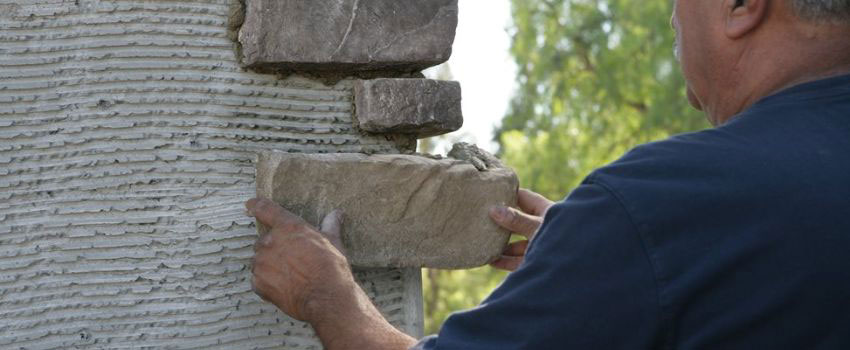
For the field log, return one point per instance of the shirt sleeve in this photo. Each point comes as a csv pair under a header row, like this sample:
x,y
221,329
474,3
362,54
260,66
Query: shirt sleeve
x,y
586,283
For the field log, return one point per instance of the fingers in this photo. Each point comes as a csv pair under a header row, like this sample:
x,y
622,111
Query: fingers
x,y
332,229
532,203
272,215
515,220
509,263
512,256
257,290
516,249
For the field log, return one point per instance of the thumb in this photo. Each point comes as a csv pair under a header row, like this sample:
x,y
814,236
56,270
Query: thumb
x,y
331,228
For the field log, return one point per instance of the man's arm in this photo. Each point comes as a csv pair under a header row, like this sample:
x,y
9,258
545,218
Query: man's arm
x,y
586,283
305,276
303,272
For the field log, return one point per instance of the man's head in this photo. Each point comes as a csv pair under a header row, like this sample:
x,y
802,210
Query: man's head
x,y
734,52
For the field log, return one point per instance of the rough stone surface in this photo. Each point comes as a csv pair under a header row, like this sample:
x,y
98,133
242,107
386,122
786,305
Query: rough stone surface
x,y
399,210
128,132
479,158
347,35
421,107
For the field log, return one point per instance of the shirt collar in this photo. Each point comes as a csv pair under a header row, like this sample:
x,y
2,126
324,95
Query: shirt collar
x,y
826,87
814,90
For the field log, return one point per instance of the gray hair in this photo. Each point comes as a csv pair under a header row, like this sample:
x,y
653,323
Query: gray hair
x,y
836,11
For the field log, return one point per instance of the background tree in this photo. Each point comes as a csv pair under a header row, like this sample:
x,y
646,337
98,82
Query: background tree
x,y
595,78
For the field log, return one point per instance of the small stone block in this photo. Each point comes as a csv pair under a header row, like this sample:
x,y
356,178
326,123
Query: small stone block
x,y
348,35
422,107
398,210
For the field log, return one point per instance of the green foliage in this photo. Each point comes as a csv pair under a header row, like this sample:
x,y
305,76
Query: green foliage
x,y
449,291
595,78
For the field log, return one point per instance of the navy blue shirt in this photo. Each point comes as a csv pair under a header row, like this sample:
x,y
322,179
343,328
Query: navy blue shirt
x,y
737,237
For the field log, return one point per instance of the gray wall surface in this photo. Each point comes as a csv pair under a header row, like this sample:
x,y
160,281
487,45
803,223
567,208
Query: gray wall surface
x,y
128,133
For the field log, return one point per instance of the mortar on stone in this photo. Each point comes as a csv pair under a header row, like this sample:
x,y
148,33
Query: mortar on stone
x,y
399,210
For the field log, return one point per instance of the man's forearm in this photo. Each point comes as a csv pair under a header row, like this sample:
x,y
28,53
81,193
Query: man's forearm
x,y
356,324
307,277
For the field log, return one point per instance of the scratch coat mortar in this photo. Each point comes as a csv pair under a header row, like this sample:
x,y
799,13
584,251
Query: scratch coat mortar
x,y
128,132
399,210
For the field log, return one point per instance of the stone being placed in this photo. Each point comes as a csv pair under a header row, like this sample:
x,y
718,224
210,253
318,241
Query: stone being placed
x,y
398,210
348,35
420,107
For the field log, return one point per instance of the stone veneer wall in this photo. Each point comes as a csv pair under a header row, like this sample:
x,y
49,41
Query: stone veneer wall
x,y
128,132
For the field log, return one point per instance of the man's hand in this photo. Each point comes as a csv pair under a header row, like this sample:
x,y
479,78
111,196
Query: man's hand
x,y
295,267
524,223
306,276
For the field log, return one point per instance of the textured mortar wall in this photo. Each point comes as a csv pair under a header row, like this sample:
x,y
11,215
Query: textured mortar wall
x,y
128,134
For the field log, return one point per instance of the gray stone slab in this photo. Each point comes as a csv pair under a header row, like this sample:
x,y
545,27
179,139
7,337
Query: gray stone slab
x,y
422,107
348,35
399,210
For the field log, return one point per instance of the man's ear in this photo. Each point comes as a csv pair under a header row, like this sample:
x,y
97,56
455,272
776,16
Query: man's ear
x,y
743,16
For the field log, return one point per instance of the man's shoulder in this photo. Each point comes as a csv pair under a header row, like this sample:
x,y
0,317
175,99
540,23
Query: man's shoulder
x,y
685,158
795,136
688,176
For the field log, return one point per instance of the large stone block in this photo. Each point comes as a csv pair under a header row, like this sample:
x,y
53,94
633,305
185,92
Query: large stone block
x,y
399,210
348,35
422,107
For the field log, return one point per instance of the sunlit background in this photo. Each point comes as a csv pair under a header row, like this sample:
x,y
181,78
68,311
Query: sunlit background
x,y
482,63
556,88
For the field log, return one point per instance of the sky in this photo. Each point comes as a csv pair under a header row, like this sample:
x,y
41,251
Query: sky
x,y
482,64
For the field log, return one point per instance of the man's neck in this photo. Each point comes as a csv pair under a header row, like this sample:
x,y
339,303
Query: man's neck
x,y
776,70
829,73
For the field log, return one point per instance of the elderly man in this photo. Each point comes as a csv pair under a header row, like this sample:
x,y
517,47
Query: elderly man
x,y
736,237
